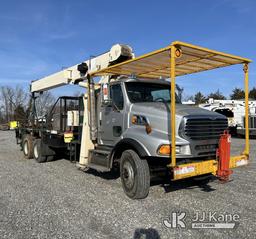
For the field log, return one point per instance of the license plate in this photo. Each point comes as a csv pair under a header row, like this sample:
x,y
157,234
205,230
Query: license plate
x,y
184,170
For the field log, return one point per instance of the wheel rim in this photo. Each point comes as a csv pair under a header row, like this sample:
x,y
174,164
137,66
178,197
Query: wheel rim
x,y
25,147
128,175
35,151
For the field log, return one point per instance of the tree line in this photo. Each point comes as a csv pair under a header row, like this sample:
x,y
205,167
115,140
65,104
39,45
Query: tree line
x,y
15,103
237,94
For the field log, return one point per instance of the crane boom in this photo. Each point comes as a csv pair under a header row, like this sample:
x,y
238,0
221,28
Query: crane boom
x,y
72,75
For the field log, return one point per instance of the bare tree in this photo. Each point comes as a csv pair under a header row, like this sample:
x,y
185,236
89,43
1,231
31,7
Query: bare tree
x,y
188,97
217,95
10,99
44,102
4,103
15,103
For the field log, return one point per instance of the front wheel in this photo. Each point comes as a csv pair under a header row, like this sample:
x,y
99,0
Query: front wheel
x,y
135,175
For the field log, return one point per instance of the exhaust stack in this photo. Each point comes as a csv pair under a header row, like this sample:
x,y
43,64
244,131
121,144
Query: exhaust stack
x,y
92,110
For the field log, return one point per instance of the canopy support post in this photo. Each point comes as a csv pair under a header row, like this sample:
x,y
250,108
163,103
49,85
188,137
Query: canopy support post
x,y
173,105
246,88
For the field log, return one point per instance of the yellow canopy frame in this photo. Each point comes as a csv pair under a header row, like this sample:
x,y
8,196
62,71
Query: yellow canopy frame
x,y
179,59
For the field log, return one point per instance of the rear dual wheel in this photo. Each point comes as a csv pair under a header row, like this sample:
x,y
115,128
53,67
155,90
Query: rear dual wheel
x,y
32,149
37,152
27,146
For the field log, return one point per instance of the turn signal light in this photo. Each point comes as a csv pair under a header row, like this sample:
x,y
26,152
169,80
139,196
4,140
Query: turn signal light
x,y
165,149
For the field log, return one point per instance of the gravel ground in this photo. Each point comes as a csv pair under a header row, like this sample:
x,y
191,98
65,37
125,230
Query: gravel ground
x,y
55,200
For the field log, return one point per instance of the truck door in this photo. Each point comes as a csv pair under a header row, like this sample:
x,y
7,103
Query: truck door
x,y
111,117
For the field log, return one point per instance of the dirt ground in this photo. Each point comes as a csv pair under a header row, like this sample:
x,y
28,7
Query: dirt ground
x,y
55,200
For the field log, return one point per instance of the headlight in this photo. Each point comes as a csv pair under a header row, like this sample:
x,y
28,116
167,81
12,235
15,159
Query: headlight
x,y
185,149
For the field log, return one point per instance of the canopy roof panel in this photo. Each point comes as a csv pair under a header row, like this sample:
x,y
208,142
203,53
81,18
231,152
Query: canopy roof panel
x,y
156,64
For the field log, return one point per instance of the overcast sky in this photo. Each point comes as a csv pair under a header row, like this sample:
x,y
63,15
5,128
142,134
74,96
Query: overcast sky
x,y
38,38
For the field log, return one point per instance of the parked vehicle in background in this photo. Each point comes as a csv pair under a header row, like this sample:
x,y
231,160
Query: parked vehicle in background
x,y
4,126
234,110
13,125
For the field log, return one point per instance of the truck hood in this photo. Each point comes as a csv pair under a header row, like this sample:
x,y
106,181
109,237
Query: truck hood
x,y
158,113
159,108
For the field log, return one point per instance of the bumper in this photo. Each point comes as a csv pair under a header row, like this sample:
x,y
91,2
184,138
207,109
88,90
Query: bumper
x,y
205,167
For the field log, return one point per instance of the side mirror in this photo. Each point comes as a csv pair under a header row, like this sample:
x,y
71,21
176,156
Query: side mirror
x,y
105,93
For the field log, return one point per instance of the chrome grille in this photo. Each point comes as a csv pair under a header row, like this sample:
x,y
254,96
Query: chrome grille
x,y
204,128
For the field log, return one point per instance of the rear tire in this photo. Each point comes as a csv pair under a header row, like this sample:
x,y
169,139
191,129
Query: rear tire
x,y
27,146
135,175
37,151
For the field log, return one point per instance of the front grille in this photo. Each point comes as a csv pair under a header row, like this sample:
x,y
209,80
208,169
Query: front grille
x,y
204,128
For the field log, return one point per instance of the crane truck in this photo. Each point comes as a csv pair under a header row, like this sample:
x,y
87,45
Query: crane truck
x,y
132,118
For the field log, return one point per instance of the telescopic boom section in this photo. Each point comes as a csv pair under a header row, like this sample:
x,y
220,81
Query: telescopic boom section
x,y
74,75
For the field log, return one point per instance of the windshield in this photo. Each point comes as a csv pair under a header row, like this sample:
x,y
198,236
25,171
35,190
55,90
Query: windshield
x,y
148,92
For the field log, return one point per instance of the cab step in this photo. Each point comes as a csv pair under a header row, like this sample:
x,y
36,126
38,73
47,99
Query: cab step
x,y
99,168
99,160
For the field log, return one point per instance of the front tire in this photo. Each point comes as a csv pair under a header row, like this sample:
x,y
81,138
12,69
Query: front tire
x,y
37,151
135,175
